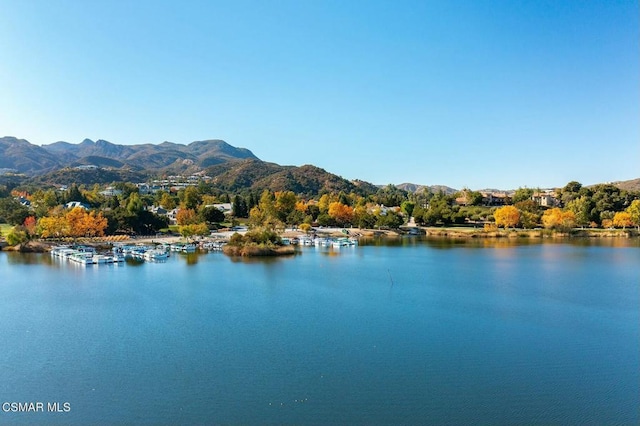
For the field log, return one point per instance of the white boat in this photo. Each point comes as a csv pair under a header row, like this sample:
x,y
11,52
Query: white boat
x,y
155,255
100,258
81,258
189,248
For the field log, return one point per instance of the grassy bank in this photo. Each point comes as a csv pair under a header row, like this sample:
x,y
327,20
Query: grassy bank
x,y
529,233
5,228
257,250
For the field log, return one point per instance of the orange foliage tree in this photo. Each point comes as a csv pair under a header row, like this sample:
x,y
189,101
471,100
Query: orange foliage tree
x,y
30,225
557,219
186,217
342,213
622,220
507,216
77,222
52,227
85,224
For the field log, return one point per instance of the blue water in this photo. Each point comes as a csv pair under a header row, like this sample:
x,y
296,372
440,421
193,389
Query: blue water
x,y
411,333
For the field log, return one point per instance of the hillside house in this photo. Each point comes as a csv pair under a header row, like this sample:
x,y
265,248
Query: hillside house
x,y
545,199
226,208
74,204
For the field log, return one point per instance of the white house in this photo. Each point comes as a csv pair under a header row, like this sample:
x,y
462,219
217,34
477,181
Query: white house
x,y
74,204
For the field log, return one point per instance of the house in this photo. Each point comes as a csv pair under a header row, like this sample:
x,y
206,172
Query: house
x,y
382,209
544,199
173,216
74,204
495,198
226,208
111,192
159,210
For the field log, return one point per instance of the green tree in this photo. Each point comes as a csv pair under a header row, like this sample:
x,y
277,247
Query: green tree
x,y
285,204
211,215
522,194
192,229
134,204
239,208
167,201
581,208
12,212
529,220
17,235
407,208
191,198
570,192
74,194
390,219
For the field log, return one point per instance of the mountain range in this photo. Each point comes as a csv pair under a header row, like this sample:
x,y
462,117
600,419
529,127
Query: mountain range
x,y
166,157
232,169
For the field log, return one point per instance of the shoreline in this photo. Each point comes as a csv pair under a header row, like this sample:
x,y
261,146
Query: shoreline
x,y
41,246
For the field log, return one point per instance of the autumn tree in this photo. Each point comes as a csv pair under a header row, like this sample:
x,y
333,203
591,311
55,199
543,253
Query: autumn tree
x,y
17,235
324,201
30,225
190,197
341,213
82,223
622,220
192,229
264,214
167,201
186,217
305,227
52,227
634,213
507,216
285,204
558,219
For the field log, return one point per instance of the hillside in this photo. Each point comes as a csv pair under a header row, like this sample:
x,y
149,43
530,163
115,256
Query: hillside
x,y
412,187
89,177
25,157
258,175
166,157
628,185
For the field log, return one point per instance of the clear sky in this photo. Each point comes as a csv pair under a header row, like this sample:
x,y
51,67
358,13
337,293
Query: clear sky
x,y
461,93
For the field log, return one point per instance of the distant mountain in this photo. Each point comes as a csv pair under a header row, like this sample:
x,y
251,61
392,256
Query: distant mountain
x,y
232,169
412,187
166,157
26,158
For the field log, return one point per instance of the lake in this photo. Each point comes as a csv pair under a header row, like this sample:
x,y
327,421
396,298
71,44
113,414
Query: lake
x,y
406,331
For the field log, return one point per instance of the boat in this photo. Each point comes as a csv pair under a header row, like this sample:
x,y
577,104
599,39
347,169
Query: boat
x,y
155,255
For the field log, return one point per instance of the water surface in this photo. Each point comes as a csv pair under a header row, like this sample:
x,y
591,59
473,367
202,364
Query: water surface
x,y
407,332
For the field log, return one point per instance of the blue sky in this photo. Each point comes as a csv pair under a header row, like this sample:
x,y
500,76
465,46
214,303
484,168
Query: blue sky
x,y
462,93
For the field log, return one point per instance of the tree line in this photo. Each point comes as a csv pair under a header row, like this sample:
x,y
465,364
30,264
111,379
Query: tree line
x,y
129,212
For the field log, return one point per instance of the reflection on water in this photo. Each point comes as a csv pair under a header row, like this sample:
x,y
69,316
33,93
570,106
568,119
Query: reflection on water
x,y
479,242
16,258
